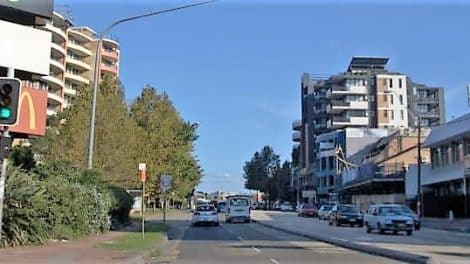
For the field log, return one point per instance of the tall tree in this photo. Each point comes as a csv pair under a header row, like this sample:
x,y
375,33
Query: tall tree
x,y
166,142
115,141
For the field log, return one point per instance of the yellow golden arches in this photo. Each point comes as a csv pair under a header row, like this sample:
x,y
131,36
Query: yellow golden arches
x,y
32,111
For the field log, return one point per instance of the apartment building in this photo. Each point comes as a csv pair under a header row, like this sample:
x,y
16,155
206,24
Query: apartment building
x,y
73,50
427,103
366,95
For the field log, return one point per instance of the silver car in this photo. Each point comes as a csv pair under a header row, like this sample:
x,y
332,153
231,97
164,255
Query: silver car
x,y
205,214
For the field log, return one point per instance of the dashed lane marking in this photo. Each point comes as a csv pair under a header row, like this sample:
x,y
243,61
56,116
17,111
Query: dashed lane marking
x,y
255,249
274,261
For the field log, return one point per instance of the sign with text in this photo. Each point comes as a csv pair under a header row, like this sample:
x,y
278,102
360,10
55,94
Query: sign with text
x,y
165,183
143,173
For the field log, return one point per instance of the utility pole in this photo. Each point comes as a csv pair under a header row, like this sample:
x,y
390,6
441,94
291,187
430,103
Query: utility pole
x,y
419,201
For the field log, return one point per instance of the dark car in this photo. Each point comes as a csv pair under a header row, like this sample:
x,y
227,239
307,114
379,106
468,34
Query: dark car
x,y
307,210
346,214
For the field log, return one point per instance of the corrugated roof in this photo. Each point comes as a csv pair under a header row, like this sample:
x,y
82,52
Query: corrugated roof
x,y
449,131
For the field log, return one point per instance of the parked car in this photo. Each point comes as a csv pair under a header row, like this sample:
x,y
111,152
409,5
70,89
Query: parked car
x,y
346,214
205,214
238,209
324,210
286,207
276,206
307,210
408,212
386,217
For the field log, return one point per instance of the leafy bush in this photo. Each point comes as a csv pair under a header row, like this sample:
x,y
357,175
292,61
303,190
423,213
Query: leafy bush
x,y
55,200
121,205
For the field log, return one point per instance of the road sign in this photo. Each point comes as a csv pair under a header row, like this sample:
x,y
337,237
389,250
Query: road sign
x,y
165,182
142,169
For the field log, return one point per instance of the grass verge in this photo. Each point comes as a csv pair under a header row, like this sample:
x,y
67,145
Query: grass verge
x,y
133,241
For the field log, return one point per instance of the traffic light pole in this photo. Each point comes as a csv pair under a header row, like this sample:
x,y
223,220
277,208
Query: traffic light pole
x,y
3,173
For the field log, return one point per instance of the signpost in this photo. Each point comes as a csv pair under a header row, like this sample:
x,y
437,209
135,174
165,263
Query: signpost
x,y
165,185
143,178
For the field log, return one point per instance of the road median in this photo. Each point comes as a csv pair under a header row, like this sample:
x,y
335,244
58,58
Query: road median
x,y
388,253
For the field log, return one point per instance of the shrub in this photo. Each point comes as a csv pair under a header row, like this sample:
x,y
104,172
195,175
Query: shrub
x,y
121,205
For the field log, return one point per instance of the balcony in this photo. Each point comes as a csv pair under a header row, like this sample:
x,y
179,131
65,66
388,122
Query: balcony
x,y
76,78
55,97
58,64
109,68
54,80
81,50
429,114
296,137
111,54
297,125
78,63
339,106
77,34
70,91
340,90
343,121
428,100
58,48
55,30
34,85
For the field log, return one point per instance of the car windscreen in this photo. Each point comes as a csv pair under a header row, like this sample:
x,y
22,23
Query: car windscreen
x,y
347,209
327,207
239,202
390,210
205,208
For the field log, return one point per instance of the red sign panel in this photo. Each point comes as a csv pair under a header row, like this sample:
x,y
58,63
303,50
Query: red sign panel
x,y
31,112
143,176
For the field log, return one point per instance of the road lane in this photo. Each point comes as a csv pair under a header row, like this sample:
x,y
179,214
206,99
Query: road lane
x,y
443,246
252,243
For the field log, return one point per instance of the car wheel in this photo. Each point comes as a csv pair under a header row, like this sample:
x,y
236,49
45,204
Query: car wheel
x,y
395,232
330,223
379,227
409,232
361,225
337,223
217,224
368,229
227,221
417,227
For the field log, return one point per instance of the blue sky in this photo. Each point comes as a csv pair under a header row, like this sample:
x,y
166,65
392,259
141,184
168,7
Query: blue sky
x,y
235,66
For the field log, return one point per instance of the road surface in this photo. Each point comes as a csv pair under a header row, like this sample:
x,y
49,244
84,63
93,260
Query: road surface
x,y
253,243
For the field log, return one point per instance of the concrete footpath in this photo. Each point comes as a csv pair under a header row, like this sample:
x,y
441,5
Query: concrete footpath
x,y
83,250
424,246
458,225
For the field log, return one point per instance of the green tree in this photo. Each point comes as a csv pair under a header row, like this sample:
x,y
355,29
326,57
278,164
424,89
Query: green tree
x,y
166,142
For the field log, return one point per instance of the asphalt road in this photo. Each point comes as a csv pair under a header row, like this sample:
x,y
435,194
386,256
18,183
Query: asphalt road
x,y
252,243
441,246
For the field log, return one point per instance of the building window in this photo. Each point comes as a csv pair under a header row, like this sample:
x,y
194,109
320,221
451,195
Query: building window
x,y
385,113
401,99
384,81
402,115
331,163
391,99
400,83
331,180
466,147
390,83
323,164
385,97
392,114
455,152
445,156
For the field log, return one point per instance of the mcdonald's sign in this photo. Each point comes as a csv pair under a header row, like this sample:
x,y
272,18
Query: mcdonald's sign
x,y
32,112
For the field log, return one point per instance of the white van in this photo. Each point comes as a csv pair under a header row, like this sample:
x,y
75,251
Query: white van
x,y
238,208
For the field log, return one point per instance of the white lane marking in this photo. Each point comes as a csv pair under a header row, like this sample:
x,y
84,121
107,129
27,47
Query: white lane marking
x,y
255,249
274,261
240,238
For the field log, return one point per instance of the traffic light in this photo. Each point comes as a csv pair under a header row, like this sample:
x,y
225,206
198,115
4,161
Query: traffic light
x,y
9,100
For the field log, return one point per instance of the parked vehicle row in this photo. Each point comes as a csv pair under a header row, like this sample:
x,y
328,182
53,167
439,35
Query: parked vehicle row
x,y
381,217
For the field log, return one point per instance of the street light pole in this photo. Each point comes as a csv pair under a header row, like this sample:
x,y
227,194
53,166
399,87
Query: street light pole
x,y
91,139
419,200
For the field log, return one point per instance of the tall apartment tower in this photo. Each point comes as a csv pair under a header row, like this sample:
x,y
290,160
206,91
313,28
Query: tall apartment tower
x,y
72,60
